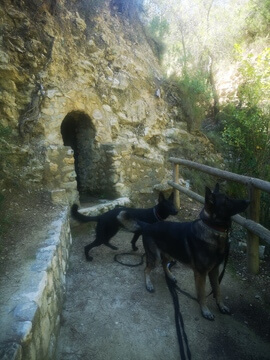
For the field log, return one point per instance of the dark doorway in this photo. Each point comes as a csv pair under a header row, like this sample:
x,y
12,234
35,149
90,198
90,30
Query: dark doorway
x,y
78,132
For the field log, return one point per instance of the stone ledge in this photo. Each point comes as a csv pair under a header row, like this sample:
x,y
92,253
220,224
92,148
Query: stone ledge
x,y
105,206
101,208
32,316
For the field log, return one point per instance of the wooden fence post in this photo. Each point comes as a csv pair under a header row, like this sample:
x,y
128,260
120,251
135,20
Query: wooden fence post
x,y
253,240
175,191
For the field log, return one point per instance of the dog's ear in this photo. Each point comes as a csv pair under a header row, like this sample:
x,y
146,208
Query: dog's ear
x,y
161,197
171,196
208,196
216,190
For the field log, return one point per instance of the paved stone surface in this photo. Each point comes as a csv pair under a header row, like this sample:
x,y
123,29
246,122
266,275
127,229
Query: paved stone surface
x,y
108,314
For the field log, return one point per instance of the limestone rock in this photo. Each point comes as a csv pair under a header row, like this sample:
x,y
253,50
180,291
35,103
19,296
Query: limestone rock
x,y
85,80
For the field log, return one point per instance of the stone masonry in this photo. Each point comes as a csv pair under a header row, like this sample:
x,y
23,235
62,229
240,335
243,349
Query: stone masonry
x,y
84,79
32,315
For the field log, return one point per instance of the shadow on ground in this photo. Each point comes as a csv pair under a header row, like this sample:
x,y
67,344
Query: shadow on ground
x,y
109,315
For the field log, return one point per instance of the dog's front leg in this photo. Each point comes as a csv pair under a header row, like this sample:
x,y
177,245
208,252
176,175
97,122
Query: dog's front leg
x,y
152,256
213,277
166,267
148,282
200,281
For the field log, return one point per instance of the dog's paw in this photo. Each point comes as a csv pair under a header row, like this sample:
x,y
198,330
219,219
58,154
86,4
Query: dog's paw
x,y
88,258
224,309
149,287
206,313
86,253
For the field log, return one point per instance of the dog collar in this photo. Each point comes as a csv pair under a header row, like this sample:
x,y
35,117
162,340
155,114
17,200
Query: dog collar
x,y
220,231
220,227
158,217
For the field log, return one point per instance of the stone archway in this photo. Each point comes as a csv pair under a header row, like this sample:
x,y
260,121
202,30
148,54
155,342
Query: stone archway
x,y
78,132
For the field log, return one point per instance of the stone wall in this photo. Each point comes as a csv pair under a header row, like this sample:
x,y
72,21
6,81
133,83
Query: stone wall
x,y
31,321
93,73
59,173
92,64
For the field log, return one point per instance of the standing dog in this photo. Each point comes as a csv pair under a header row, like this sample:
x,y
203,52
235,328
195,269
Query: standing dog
x,y
202,244
108,224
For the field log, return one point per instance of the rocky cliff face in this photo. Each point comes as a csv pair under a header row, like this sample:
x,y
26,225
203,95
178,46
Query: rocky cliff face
x,y
78,90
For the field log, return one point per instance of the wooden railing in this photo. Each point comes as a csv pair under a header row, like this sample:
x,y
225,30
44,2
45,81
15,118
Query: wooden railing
x,y
255,186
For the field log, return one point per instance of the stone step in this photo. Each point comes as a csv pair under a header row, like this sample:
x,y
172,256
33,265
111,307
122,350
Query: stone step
x,y
101,208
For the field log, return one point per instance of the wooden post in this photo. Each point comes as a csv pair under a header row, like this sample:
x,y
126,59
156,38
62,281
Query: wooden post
x,y
253,240
175,191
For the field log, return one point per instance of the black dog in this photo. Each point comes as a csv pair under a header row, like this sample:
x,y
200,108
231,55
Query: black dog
x,y
202,244
108,224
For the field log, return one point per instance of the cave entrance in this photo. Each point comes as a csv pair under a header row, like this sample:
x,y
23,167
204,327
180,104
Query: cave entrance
x,y
78,132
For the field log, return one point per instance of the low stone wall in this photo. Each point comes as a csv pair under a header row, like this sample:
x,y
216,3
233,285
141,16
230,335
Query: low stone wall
x,y
35,319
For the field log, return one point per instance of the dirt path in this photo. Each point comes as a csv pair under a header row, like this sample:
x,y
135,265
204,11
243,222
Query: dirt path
x,y
108,314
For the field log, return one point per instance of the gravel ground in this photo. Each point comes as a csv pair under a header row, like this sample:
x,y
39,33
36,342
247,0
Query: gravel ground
x,y
108,314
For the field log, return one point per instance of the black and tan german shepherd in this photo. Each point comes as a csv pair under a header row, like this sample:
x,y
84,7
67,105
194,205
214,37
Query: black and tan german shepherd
x,y
108,224
202,244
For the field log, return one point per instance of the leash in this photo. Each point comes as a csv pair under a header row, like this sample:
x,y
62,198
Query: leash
x,y
116,258
180,329
179,323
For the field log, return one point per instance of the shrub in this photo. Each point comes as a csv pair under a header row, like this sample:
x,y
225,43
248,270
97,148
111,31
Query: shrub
x,y
246,132
192,95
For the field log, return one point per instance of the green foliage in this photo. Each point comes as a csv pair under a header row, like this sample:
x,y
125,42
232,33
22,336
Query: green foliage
x,y
255,73
246,134
258,19
192,95
5,132
246,122
157,46
159,27
156,32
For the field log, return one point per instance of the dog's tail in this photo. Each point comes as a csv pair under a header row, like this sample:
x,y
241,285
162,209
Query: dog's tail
x,y
128,222
80,217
